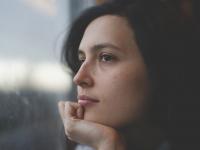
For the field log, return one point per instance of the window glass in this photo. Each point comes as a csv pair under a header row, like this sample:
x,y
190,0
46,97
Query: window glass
x,y
32,79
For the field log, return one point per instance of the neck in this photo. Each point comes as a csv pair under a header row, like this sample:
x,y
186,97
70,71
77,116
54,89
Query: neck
x,y
143,137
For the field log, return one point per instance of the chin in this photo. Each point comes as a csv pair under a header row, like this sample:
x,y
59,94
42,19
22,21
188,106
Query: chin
x,y
107,121
97,119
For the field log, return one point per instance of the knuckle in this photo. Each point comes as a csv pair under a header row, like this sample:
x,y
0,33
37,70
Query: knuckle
x,y
69,127
67,104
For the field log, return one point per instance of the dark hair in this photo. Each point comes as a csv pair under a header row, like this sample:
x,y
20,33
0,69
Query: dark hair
x,y
153,28
145,23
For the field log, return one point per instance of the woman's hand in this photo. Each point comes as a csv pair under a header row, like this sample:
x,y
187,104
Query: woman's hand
x,y
85,132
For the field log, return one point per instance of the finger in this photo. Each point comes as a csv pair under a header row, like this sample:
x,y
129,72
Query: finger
x,y
91,133
73,110
84,132
67,109
61,108
80,112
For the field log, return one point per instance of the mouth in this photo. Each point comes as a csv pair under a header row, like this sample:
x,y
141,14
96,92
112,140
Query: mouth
x,y
84,100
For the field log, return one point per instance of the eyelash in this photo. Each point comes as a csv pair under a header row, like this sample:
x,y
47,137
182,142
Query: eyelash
x,y
102,58
81,59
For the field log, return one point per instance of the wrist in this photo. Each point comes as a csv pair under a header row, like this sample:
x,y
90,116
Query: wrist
x,y
112,141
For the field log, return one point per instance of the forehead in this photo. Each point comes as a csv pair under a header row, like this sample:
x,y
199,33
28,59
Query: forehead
x,y
108,29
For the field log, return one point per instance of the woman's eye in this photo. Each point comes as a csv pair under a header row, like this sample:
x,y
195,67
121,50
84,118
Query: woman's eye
x,y
81,59
106,57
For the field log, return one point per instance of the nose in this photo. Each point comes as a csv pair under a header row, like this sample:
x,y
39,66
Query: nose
x,y
83,77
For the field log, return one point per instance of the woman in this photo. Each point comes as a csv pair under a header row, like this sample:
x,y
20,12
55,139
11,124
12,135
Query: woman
x,y
120,56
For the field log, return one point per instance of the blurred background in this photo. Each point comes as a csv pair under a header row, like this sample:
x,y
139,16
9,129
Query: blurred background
x,y
32,79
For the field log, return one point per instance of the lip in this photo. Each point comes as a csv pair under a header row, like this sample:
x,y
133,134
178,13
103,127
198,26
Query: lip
x,y
86,100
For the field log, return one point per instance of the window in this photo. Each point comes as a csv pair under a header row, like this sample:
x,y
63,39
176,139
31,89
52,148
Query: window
x,y
32,80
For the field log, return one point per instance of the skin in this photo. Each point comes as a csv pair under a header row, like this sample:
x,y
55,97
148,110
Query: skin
x,y
113,72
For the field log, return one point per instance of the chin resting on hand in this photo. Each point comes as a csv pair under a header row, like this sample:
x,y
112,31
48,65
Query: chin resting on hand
x,y
95,135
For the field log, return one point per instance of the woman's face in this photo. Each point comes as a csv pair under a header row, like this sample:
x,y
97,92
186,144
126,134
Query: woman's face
x,y
112,81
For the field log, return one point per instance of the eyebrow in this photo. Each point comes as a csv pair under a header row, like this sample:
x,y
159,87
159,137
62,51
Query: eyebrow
x,y
99,47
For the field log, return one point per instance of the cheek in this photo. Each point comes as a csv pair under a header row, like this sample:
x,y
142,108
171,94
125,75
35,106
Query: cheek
x,y
132,84
124,93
